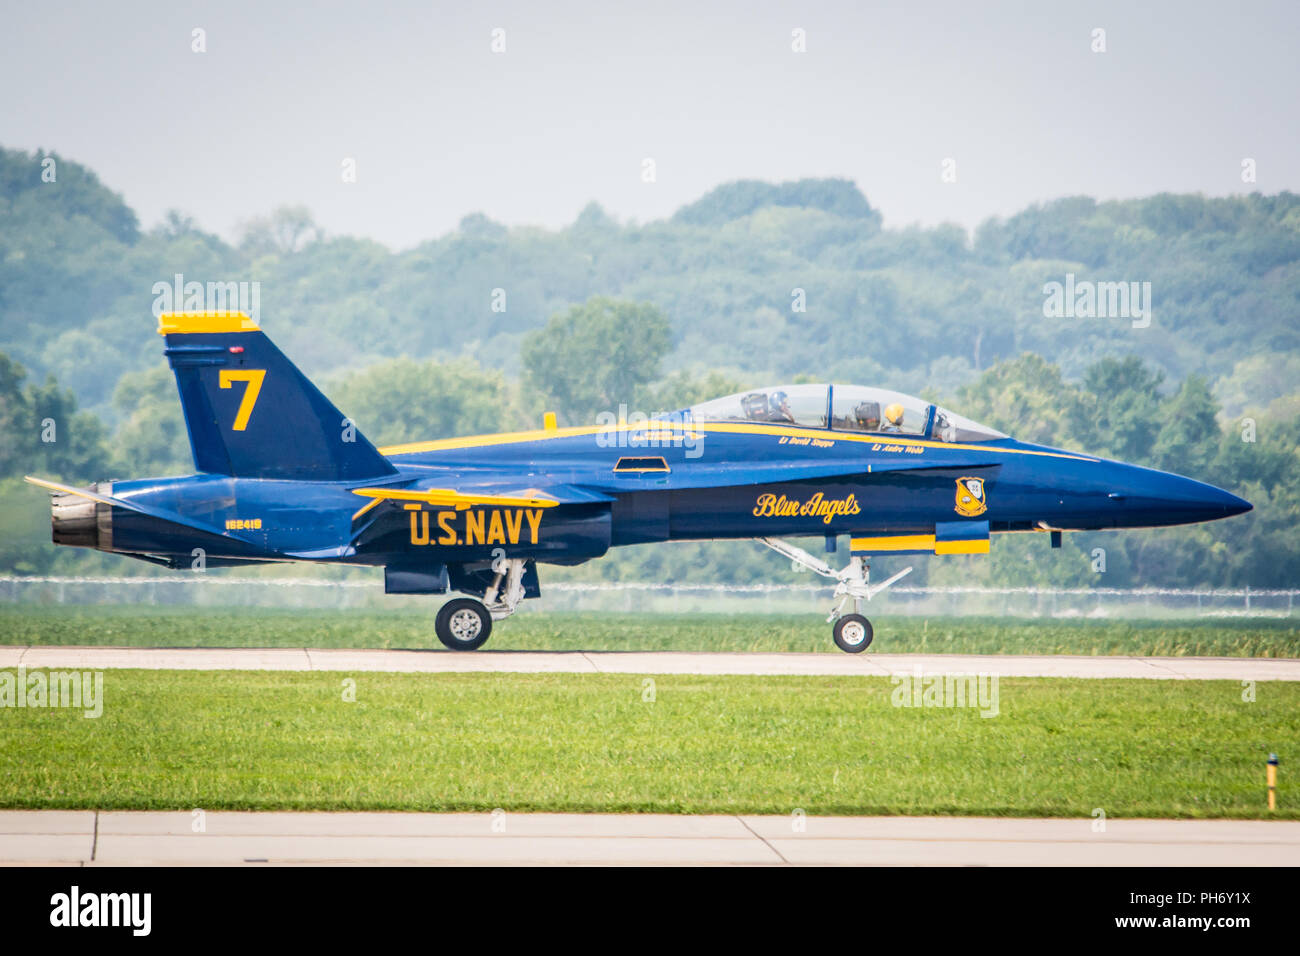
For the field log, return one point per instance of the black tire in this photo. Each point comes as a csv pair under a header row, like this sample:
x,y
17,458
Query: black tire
x,y
853,633
459,630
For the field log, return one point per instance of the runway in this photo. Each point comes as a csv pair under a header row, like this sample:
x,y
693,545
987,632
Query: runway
x,y
637,662
93,838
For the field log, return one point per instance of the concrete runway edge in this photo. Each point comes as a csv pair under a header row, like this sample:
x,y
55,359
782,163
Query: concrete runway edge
x,y
653,662
93,838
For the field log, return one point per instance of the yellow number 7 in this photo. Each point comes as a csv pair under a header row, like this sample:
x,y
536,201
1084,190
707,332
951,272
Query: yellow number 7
x,y
253,377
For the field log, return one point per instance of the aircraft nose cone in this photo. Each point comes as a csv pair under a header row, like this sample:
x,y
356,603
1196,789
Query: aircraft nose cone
x,y
1206,501
1166,498
1234,505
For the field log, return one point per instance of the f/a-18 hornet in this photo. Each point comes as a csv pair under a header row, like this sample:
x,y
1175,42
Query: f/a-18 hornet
x,y
283,475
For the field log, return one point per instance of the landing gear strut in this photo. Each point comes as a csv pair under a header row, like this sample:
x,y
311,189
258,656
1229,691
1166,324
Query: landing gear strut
x,y
852,632
464,624
507,588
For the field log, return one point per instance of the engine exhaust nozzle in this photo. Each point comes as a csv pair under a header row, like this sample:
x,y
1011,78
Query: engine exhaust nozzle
x,y
80,522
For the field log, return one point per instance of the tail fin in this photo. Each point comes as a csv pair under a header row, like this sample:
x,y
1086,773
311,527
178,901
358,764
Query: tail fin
x,y
251,413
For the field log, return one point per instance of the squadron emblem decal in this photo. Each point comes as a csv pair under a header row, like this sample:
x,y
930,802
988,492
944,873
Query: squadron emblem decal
x,y
970,497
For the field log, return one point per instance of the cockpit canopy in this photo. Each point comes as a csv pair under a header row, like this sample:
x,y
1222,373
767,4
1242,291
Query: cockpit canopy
x,y
849,408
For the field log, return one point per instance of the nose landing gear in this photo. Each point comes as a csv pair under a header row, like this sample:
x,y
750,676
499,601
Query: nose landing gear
x,y
852,632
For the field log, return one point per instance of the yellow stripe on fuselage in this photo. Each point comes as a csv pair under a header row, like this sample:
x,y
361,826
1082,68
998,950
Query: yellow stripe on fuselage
x,y
373,502
702,429
917,542
482,441
979,546
897,542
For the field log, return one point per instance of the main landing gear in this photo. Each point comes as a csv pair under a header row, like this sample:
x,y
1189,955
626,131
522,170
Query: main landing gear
x,y
465,624
852,632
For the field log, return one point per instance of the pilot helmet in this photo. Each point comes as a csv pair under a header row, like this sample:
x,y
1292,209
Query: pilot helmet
x,y
894,414
779,399
867,415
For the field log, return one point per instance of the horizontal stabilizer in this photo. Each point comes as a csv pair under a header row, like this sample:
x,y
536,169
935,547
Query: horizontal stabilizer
x,y
122,502
160,514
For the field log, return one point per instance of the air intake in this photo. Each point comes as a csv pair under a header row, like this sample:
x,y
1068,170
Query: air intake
x,y
638,465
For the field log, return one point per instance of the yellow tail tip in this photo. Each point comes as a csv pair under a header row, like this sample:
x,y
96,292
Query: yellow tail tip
x,y
172,323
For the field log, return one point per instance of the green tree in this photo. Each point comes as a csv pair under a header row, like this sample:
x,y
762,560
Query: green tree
x,y
15,417
1189,429
687,387
74,191
405,401
44,433
1125,406
734,200
596,356
285,231
1028,398
71,443
152,439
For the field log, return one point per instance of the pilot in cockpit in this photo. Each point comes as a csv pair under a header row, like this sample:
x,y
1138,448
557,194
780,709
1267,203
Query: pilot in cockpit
x,y
943,429
778,408
893,418
866,417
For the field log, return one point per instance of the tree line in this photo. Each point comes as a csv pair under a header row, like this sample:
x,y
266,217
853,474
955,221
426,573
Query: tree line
x,y
486,327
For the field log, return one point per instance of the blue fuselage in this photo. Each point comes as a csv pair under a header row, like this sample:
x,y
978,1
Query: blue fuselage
x,y
635,484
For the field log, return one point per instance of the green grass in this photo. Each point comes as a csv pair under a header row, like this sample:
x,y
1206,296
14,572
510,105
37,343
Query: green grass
x,y
260,627
447,742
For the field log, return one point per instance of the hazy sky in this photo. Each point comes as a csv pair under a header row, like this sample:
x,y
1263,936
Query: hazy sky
x,y
441,126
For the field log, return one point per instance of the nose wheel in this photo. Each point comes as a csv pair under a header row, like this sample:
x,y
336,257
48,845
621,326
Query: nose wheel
x,y
853,633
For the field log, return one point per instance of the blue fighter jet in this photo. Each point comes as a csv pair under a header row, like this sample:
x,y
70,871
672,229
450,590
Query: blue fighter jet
x,y
283,475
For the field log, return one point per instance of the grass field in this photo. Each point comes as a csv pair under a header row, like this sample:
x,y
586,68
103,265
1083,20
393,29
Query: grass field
x,y
138,625
253,740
